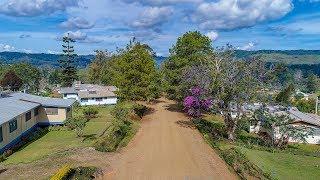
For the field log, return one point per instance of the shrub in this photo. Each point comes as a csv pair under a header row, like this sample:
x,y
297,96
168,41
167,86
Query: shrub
x,y
243,125
216,129
84,172
75,122
110,142
251,139
62,173
140,110
121,111
90,112
240,163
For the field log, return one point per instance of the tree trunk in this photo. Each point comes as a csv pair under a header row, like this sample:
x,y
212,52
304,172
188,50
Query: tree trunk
x,y
230,125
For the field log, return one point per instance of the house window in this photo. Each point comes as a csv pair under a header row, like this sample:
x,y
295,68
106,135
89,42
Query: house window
x,y
52,111
28,116
99,99
84,100
1,136
36,111
13,125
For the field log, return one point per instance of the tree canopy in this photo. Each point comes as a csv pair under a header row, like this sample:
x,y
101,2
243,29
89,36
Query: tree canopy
x,y
192,48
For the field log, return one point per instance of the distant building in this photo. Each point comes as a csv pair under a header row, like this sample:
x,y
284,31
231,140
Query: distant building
x,y
299,119
90,94
303,95
21,113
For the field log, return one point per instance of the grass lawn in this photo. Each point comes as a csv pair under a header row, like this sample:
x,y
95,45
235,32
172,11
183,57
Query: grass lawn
x,y
58,141
280,164
285,165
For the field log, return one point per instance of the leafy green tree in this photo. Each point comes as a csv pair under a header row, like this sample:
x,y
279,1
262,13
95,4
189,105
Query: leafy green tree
x,y
312,83
135,73
30,75
285,95
67,62
100,70
192,48
307,106
11,81
55,77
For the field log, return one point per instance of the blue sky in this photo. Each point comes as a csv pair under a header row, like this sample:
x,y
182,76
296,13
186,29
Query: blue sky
x,y
36,26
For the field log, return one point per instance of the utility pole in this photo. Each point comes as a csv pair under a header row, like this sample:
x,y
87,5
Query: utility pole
x,y
317,102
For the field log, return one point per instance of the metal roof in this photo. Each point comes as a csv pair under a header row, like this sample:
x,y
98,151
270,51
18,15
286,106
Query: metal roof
x,y
96,94
90,90
11,107
67,90
44,101
305,117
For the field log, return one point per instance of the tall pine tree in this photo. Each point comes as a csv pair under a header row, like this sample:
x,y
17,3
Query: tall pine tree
x,y
67,62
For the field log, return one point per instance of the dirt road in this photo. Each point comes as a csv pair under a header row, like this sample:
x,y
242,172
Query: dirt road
x,y
168,147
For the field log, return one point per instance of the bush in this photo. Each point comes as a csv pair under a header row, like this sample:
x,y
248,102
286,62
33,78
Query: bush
x,y
110,142
62,173
251,139
90,112
75,122
243,125
216,129
140,110
240,163
84,173
121,111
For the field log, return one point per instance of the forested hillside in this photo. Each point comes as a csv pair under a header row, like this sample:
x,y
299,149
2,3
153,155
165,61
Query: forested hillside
x,y
44,59
41,59
291,57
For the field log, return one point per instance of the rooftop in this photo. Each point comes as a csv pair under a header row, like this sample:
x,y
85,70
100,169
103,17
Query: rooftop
x,y
89,90
44,101
15,104
12,107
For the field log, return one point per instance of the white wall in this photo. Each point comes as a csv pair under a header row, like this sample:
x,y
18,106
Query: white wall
x,y
311,139
105,101
71,96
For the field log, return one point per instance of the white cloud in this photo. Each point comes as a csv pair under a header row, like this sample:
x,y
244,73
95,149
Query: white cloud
x,y
233,14
212,35
249,46
77,23
153,17
6,47
80,37
53,52
31,8
161,2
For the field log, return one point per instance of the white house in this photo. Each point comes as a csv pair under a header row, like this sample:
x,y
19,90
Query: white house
x,y
308,120
90,94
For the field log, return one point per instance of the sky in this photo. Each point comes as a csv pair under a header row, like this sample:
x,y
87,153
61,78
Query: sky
x,y
37,26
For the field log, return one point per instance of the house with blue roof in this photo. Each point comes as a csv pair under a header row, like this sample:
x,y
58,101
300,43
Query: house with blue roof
x,y
21,113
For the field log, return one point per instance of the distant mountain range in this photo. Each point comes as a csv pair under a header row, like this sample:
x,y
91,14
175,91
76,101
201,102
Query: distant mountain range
x,y
41,59
291,57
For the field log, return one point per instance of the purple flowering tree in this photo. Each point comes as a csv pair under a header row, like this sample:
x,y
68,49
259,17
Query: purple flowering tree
x,y
196,103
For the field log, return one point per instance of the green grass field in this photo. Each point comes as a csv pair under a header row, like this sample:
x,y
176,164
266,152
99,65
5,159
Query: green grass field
x,y
58,141
282,164
285,165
